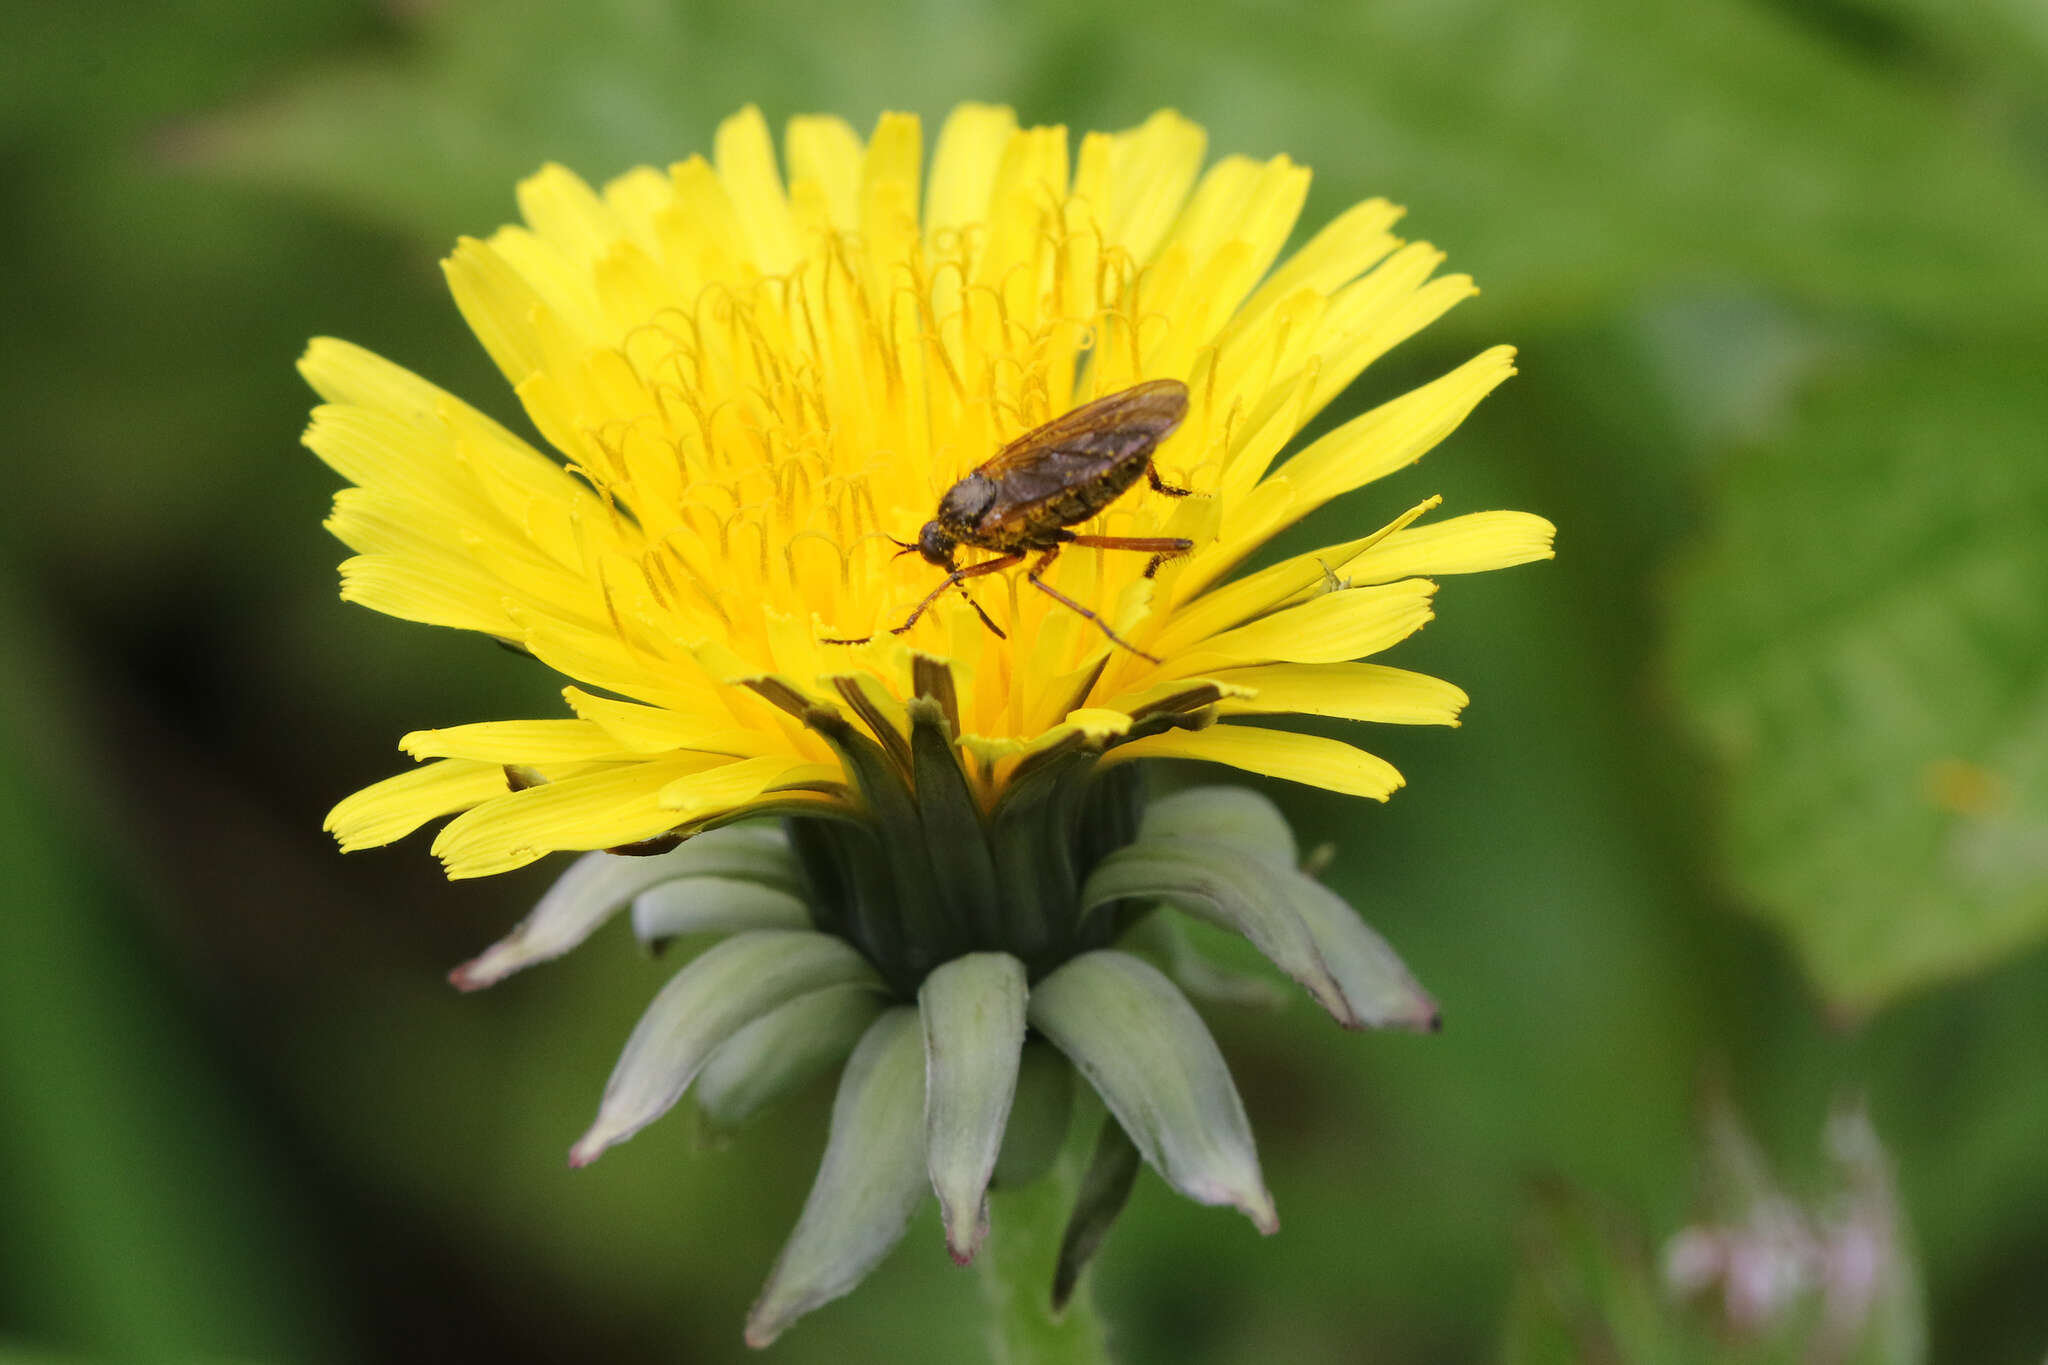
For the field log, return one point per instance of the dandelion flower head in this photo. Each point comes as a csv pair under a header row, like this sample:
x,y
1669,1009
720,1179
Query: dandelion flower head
x,y
758,378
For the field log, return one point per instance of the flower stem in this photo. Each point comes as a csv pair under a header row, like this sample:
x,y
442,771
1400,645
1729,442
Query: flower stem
x,y
1017,1263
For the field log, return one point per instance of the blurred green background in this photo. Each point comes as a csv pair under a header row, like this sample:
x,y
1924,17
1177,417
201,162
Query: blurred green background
x,y
1752,796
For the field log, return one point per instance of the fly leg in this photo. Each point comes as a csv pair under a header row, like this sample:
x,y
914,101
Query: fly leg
x,y
1046,561
1160,486
1161,548
954,579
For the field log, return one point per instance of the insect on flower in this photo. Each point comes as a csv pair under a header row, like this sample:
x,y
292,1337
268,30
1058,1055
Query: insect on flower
x,y
743,354
1021,501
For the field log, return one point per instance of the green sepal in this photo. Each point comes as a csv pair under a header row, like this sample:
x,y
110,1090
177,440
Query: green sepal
x,y
1236,817
1300,924
815,844
1110,803
1105,1189
703,1005
598,885
955,836
972,1010
712,905
781,1052
1148,1054
1162,940
1037,878
909,891
871,1180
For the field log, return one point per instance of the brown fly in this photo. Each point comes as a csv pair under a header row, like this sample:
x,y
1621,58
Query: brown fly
x,y
1021,502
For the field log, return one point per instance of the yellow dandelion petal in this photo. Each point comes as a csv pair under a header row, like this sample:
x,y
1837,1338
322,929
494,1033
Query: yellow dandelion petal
x,y
759,377
745,156
498,306
1473,543
638,198
964,165
824,156
516,741
1326,629
570,217
611,805
397,806
1349,691
1352,243
1310,759
1143,179
1275,586
1369,447
712,791
447,594
641,729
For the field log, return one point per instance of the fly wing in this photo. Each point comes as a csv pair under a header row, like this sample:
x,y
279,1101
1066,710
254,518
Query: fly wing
x,y
1092,437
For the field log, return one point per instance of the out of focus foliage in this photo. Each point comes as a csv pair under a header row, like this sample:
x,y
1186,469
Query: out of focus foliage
x,y
1761,1277
1755,780
1865,642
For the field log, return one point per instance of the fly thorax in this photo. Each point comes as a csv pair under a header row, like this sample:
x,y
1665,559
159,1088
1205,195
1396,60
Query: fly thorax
x,y
961,510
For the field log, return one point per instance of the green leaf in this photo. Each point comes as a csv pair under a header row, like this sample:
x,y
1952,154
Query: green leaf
x,y
973,1013
1863,646
870,1182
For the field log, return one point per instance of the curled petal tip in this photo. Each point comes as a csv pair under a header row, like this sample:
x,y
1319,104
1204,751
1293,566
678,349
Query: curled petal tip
x,y
1423,1015
1254,1201
490,966
471,976
964,1237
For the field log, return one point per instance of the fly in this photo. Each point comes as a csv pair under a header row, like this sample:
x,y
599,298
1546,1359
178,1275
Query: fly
x,y
1021,502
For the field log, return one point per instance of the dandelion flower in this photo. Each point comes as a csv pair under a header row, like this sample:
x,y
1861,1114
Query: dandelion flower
x,y
758,380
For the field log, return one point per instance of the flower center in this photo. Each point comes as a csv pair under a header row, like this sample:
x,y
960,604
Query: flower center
x,y
772,442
